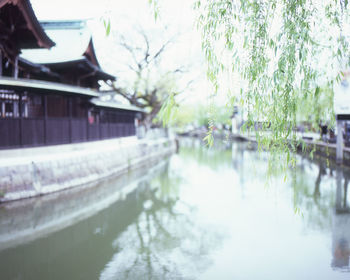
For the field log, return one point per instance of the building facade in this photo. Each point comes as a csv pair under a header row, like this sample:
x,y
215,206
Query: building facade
x,y
49,94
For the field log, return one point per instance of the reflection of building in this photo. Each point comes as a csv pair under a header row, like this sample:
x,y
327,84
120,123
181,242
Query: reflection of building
x,y
236,120
341,226
50,96
92,218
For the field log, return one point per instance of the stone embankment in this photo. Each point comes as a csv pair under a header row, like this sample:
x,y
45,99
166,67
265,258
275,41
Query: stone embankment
x,y
311,146
32,172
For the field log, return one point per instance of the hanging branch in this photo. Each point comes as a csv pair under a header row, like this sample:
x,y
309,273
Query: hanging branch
x,y
275,47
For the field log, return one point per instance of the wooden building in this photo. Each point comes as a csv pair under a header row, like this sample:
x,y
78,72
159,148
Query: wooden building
x,y
41,113
53,101
19,29
73,57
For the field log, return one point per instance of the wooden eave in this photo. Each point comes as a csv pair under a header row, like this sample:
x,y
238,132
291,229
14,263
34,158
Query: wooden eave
x,y
45,87
82,65
90,54
27,65
31,23
114,105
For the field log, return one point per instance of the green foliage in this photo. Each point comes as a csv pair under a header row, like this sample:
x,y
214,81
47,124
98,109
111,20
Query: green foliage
x,y
155,8
167,110
189,115
285,58
107,26
209,139
195,116
316,108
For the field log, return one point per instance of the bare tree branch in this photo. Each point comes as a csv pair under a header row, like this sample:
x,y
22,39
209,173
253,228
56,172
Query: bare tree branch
x,y
148,90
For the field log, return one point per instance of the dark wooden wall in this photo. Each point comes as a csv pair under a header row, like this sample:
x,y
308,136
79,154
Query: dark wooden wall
x,y
54,119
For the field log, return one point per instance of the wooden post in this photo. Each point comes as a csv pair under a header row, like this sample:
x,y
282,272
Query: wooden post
x,y
70,113
0,63
98,120
87,123
20,119
108,121
3,109
45,119
15,68
339,152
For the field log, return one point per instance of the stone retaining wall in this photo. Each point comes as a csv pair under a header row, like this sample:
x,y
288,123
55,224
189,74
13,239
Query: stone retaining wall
x,y
326,150
37,171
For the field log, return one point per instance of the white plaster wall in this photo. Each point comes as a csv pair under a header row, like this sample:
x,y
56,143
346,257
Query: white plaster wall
x,y
36,171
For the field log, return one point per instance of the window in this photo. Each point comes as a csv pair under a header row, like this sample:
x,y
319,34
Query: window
x,y
9,104
32,106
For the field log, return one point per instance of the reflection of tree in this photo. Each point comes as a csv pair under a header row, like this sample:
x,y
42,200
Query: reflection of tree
x,y
215,157
317,204
167,184
165,241
321,172
341,223
309,198
146,233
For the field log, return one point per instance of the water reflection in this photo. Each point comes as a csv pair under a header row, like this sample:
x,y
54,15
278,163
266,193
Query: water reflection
x,y
332,206
165,241
319,191
341,223
323,204
69,235
133,228
341,205
205,214
26,220
321,173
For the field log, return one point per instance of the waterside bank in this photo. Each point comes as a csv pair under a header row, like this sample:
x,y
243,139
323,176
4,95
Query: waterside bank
x,y
33,172
312,145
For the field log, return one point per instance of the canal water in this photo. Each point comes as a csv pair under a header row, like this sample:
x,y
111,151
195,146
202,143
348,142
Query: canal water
x,y
201,214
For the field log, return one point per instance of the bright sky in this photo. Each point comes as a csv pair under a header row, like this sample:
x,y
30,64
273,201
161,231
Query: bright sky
x,y
176,16
125,15
68,9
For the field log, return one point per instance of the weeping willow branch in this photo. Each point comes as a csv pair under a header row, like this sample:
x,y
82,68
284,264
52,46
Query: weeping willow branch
x,y
285,56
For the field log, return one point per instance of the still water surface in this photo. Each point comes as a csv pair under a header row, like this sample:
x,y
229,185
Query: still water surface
x,y
202,214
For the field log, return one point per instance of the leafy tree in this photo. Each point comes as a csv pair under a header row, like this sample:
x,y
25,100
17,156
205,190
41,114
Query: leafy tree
x,y
189,115
285,51
282,52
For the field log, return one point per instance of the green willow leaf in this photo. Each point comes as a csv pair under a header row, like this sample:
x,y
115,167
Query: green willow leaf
x,y
275,48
